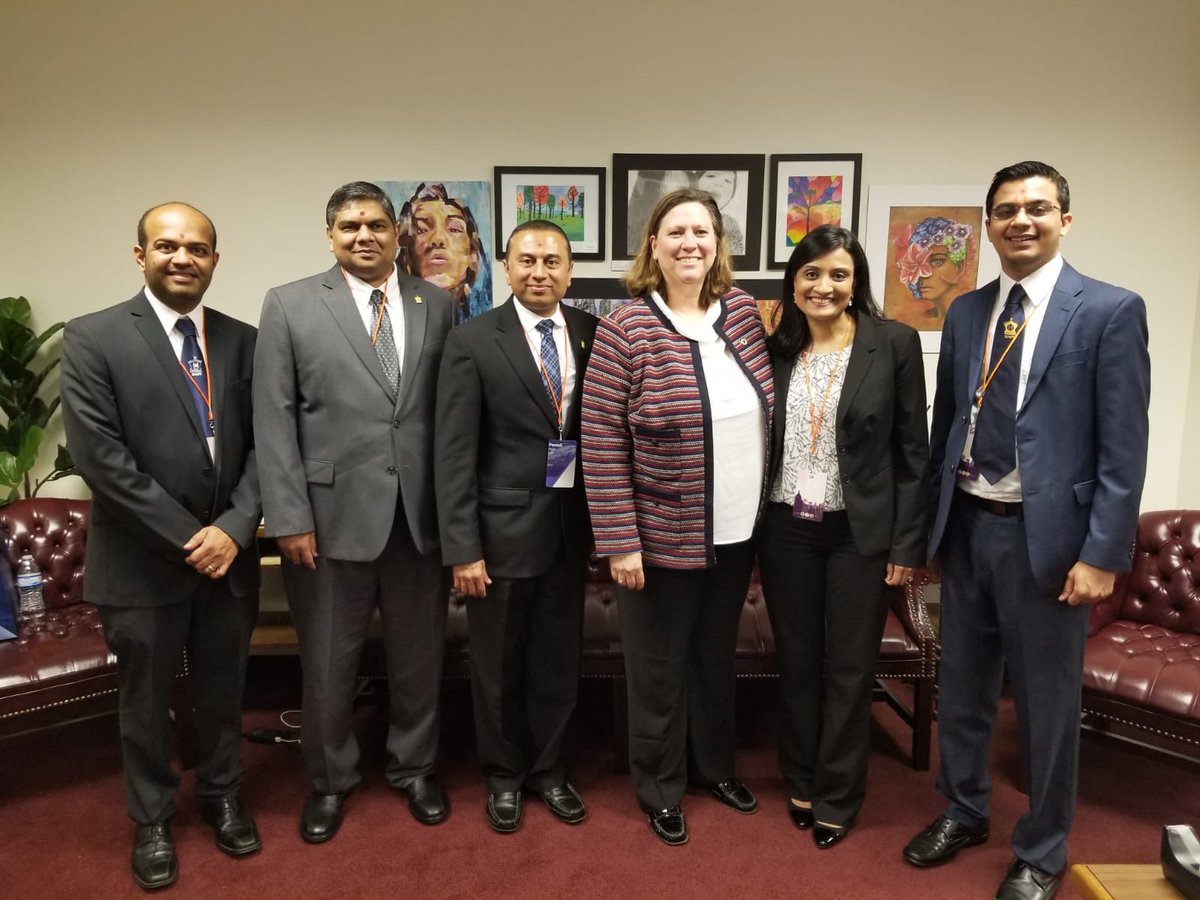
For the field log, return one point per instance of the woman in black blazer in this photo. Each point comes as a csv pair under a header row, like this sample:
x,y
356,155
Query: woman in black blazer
x,y
847,494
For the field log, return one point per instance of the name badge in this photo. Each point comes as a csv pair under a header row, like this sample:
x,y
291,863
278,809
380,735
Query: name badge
x,y
967,469
560,463
810,495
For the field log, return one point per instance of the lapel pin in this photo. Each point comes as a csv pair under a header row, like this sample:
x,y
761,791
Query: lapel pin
x,y
743,342
417,299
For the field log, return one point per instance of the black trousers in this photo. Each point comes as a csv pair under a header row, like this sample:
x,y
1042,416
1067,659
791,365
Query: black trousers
x,y
148,641
827,607
994,615
332,609
525,638
679,637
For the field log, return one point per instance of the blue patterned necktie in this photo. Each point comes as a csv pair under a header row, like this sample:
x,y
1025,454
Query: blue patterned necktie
x,y
192,361
385,341
995,447
551,377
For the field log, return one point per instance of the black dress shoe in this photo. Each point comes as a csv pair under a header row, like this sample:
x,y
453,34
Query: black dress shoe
x,y
236,834
564,801
735,795
668,825
322,817
504,811
426,800
825,837
941,841
802,817
1024,882
154,863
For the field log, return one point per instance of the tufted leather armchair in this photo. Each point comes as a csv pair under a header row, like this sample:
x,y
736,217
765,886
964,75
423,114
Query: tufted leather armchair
x,y
1141,674
62,671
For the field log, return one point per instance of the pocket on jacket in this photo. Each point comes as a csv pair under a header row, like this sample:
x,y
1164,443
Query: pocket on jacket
x,y
1070,358
498,496
318,471
657,454
1084,491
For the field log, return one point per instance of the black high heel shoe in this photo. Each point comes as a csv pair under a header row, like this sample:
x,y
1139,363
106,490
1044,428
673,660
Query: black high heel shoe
x,y
802,817
825,837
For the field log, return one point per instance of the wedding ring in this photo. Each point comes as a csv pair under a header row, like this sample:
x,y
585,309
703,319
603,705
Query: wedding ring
x,y
212,568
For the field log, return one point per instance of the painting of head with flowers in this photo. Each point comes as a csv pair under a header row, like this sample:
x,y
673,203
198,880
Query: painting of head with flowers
x,y
932,258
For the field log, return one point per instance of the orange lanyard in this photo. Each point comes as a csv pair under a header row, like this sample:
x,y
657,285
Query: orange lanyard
x,y
556,399
988,376
817,417
206,396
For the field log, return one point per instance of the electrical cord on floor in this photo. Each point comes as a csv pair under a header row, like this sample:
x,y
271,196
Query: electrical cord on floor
x,y
289,734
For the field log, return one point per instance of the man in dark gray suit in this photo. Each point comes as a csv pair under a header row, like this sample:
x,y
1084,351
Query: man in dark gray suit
x,y
514,519
156,403
344,413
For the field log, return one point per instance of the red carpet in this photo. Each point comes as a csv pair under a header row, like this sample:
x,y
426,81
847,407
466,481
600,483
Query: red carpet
x,y
66,835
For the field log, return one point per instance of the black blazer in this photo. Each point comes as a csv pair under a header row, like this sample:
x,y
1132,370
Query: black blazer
x,y
494,422
882,439
133,433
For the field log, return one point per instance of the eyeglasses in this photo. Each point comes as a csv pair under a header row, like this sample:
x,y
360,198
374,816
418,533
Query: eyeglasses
x,y
1006,211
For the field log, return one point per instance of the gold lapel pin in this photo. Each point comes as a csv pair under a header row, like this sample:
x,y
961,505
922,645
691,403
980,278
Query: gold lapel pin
x,y
417,299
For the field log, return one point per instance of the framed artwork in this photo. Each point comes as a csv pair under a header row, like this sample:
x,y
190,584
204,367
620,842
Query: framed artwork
x,y
766,291
734,180
923,243
599,296
808,190
573,199
445,232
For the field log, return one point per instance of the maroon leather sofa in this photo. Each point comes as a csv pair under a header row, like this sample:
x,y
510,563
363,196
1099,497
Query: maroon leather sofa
x,y
1141,677
62,672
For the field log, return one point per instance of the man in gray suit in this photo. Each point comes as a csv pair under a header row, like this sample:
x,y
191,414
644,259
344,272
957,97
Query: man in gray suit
x,y
156,404
344,412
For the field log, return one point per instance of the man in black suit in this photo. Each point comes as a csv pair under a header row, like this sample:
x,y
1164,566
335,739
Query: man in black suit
x,y
514,520
156,403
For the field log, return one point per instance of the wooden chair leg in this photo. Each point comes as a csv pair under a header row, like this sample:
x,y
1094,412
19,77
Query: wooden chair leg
x,y
922,723
620,727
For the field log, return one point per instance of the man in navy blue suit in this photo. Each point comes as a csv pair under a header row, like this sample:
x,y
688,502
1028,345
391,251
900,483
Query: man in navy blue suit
x,y
1038,454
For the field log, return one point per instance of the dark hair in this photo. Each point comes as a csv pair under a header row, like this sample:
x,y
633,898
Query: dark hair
x,y
141,226
645,276
539,225
791,334
358,190
1031,168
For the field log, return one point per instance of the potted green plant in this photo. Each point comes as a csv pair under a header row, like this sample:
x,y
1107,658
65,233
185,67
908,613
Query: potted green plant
x,y
26,359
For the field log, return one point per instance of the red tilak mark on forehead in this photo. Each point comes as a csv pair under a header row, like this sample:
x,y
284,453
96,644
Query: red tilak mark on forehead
x,y
361,213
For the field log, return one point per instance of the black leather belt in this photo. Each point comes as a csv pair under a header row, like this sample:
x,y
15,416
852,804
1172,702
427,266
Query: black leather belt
x,y
995,507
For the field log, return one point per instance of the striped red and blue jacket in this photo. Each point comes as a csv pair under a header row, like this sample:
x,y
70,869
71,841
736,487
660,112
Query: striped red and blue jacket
x,y
647,437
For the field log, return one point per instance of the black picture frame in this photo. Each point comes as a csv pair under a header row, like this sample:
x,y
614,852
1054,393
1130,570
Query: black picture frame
x,y
848,166
507,179
653,174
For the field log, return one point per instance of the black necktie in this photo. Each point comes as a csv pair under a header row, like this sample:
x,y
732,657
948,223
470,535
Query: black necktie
x,y
192,361
995,447
385,342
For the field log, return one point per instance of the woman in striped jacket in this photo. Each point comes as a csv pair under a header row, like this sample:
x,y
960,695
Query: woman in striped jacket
x,y
677,404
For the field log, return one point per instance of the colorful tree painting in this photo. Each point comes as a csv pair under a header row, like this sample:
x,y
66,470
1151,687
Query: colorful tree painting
x,y
813,200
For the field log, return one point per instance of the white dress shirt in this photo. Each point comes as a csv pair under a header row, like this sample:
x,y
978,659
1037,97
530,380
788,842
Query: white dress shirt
x,y
566,360
361,292
1038,287
168,317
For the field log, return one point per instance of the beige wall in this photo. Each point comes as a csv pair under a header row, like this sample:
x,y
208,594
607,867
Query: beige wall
x,y
255,111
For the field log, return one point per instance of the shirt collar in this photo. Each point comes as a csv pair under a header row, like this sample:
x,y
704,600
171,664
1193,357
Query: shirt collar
x,y
529,319
361,291
168,317
1038,285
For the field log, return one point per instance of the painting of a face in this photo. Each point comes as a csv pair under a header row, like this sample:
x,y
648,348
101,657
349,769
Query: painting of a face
x,y
442,245
933,257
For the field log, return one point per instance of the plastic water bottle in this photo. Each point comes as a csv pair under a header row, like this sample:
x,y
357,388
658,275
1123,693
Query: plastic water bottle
x,y
29,589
